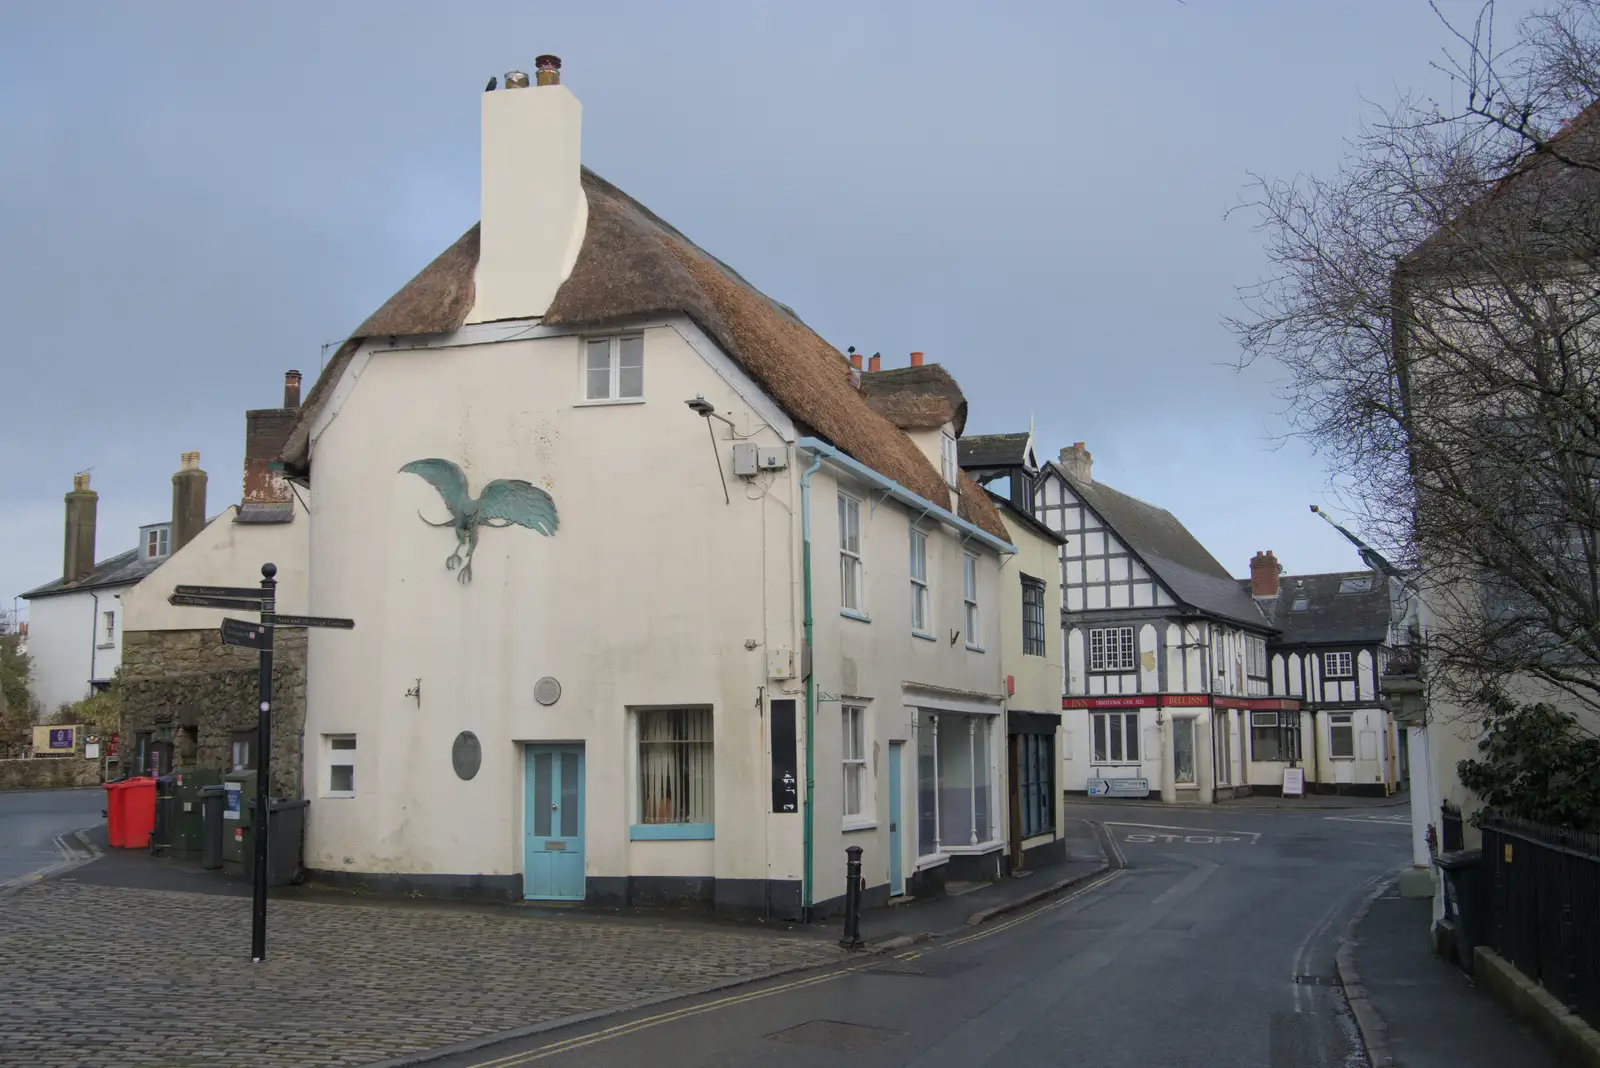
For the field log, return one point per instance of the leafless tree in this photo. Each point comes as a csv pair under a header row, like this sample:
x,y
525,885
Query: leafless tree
x,y
1433,305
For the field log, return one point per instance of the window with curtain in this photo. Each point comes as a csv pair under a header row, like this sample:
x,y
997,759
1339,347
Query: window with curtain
x,y
613,368
675,766
853,746
1036,791
1032,617
1274,736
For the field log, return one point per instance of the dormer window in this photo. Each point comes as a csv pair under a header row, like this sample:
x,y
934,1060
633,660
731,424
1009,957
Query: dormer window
x,y
157,542
947,458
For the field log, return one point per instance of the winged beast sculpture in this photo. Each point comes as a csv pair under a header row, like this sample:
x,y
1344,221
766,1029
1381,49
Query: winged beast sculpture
x,y
503,502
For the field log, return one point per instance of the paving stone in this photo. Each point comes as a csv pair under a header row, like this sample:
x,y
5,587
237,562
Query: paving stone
x,y
105,976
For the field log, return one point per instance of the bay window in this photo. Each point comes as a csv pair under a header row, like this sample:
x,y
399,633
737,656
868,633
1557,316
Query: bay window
x,y
953,781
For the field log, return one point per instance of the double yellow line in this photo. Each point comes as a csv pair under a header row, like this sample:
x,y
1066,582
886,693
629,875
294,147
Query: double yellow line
x,y
620,1030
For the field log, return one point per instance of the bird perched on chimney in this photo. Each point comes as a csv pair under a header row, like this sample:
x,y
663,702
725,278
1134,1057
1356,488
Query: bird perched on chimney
x,y
493,83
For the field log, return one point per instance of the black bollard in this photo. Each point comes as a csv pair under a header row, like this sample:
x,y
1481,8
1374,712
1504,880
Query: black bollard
x,y
852,899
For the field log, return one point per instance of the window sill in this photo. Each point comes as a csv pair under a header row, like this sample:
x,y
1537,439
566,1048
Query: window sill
x,y
867,825
924,636
1115,767
969,850
1185,786
852,614
107,645
975,649
935,861
607,402
672,832
336,797
1340,759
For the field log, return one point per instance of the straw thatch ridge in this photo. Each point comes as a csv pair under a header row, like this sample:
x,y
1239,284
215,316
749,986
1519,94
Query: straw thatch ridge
x,y
917,398
977,509
633,264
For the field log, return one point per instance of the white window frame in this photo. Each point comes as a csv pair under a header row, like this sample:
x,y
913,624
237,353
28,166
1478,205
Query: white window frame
x,y
949,460
614,394
1255,657
1104,641
705,747
346,757
1341,721
1338,666
1101,724
852,563
854,767
921,603
969,599
1222,748
110,621
157,542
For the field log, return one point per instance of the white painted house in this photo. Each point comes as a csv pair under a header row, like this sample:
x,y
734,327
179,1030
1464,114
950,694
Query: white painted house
x,y
1165,654
75,622
672,648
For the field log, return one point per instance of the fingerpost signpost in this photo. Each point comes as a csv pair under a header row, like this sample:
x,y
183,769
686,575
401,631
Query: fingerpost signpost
x,y
246,635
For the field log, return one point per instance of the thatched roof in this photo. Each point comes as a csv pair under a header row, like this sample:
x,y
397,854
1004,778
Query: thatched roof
x,y
917,398
634,264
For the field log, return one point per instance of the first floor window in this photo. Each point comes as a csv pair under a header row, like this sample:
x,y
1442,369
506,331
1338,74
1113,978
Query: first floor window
x,y
1116,737
1337,666
969,595
1341,736
1036,785
919,582
242,756
111,626
1032,617
1275,736
850,591
853,720
675,769
1256,657
952,780
339,760
949,460
613,368
156,542
1111,649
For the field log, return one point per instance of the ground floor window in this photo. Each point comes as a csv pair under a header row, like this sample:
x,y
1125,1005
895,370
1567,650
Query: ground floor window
x,y
1183,766
675,768
1036,785
242,756
1116,737
1275,736
854,748
1221,746
1341,736
339,763
952,781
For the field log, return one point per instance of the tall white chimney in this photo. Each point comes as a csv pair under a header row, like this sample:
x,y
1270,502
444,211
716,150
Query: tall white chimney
x,y
533,209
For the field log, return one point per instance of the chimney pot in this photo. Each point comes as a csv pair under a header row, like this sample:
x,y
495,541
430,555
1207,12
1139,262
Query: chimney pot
x,y
1078,462
291,389
875,363
1264,572
916,359
516,79
547,70
855,360
80,481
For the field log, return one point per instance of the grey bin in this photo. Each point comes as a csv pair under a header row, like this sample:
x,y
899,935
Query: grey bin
x,y
286,835
1463,903
212,801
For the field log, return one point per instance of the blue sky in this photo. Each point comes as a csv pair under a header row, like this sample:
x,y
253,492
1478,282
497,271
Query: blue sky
x,y
195,197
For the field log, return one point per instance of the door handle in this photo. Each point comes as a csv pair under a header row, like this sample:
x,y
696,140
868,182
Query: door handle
x,y
554,807
894,826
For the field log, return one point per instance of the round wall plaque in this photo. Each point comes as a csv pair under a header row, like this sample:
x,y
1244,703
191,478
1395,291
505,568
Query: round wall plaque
x,y
466,754
547,691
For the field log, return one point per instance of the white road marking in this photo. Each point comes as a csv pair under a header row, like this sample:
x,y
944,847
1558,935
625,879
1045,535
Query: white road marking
x,y
1381,821
1189,832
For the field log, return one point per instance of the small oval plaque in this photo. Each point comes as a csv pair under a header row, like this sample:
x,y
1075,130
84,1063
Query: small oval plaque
x,y
547,691
466,754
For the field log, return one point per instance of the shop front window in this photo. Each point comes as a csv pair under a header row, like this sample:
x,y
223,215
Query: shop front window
x,y
1183,769
953,781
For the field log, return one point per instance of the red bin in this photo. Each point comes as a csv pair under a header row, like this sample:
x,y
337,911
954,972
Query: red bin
x,y
130,812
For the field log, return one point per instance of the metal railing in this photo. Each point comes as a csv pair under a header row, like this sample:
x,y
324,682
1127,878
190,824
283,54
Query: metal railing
x,y
1541,888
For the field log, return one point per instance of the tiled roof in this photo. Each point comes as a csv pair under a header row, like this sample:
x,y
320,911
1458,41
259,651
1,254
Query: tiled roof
x,y
994,450
1327,615
124,569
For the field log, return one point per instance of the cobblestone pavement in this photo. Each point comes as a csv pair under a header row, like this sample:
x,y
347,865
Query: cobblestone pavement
x,y
99,976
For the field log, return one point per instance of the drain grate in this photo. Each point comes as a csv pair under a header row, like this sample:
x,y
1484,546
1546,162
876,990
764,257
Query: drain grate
x,y
835,1035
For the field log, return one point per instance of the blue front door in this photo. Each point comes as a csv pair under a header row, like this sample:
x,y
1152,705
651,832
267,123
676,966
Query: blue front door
x,y
552,867
897,878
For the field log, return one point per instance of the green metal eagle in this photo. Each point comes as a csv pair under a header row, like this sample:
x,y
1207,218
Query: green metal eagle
x,y
503,502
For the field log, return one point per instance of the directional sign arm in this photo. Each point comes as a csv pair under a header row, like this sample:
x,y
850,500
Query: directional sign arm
x,y
184,600
243,592
313,621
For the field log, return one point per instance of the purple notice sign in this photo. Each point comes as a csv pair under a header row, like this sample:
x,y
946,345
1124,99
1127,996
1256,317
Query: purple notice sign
x,y
61,737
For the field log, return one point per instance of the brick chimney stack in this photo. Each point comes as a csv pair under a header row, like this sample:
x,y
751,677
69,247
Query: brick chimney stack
x,y
188,500
265,431
1264,572
291,389
77,558
1078,462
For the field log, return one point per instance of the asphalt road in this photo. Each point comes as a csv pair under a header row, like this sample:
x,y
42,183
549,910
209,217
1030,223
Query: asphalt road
x,y
1214,946
30,820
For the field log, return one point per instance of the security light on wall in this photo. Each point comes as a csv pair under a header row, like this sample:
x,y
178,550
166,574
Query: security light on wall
x,y
702,407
